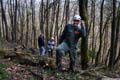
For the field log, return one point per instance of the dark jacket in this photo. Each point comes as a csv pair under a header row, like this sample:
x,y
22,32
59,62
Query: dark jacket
x,y
72,34
41,41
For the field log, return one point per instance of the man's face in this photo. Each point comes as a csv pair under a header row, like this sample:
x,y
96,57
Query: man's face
x,y
76,22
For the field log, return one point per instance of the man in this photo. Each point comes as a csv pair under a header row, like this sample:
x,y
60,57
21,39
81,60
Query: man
x,y
68,42
51,46
41,45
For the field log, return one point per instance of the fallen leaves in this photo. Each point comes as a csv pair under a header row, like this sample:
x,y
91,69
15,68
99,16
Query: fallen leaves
x,y
32,67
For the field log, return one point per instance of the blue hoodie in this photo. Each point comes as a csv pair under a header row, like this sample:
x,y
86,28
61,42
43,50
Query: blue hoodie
x,y
72,34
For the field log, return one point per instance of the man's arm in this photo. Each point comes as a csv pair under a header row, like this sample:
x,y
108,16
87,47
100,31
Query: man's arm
x,y
83,30
63,35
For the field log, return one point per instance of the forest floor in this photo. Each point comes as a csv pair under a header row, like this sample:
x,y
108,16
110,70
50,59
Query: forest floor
x,y
17,63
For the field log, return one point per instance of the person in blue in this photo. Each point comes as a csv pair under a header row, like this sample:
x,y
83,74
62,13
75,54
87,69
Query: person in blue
x,y
68,41
51,46
41,45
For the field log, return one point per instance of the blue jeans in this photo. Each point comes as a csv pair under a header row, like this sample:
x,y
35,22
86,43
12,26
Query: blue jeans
x,y
42,51
63,48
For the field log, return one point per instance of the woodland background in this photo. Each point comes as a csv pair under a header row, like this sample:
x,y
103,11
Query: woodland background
x,y
22,21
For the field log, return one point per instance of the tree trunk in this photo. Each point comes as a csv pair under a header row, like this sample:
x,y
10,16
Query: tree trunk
x,y
15,21
57,21
117,41
27,24
33,22
84,43
41,17
100,36
113,27
67,10
4,20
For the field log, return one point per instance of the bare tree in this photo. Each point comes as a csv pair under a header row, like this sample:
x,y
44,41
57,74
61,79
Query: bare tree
x,y
84,43
101,31
4,20
112,48
33,22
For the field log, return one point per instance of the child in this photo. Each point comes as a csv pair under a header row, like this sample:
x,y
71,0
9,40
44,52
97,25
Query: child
x,y
51,46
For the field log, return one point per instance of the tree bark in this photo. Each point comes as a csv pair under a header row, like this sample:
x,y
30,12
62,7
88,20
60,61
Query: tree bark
x,y
84,43
113,27
100,36
4,20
